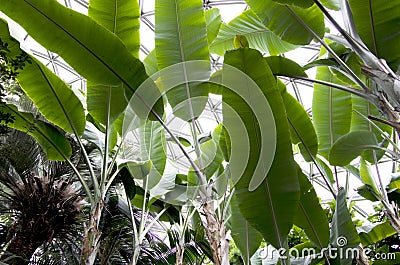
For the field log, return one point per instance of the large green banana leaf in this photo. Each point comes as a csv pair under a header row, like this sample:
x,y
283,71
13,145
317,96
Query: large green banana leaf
x,y
351,145
105,103
374,233
272,206
55,100
246,238
89,48
53,142
332,111
344,235
378,25
280,20
358,122
310,216
153,145
302,130
213,21
181,36
121,18
256,33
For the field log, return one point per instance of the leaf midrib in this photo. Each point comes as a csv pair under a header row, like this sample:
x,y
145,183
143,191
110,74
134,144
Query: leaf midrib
x,y
115,16
66,114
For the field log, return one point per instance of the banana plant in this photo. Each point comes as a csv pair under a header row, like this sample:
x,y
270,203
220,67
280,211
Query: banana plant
x,y
109,85
247,163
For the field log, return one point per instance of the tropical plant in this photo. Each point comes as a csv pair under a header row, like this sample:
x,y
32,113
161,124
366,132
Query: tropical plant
x,y
39,201
243,176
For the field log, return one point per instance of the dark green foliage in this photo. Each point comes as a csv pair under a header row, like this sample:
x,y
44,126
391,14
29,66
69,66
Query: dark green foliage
x,y
9,67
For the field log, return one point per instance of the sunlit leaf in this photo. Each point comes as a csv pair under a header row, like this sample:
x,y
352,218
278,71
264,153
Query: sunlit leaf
x,y
256,33
281,20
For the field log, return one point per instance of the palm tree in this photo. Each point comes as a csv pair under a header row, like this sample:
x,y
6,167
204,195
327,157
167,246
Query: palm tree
x,y
40,200
42,211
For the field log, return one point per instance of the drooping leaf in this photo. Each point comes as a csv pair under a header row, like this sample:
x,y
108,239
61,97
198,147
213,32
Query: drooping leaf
x,y
256,33
377,25
150,150
280,20
54,99
181,36
310,216
375,232
53,142
351,145
332,111
283,66
343,232
359,122
270,207
121,18
213,21
74,36
325,169
301,128
246,238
